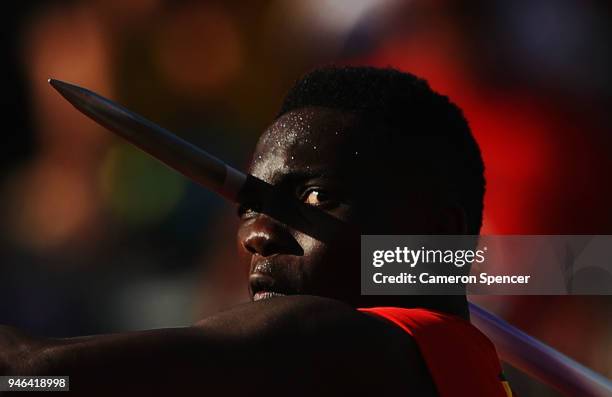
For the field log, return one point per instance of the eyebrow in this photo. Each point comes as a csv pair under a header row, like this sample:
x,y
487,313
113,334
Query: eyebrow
x,y
300,175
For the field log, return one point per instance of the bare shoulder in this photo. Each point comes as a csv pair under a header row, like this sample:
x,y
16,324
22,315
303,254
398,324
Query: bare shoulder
x,y
325,339
304,316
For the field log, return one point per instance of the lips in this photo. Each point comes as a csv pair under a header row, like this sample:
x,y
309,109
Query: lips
x,y
265,295
266,283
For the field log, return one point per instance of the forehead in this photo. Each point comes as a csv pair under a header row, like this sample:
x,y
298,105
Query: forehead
x,y
307,140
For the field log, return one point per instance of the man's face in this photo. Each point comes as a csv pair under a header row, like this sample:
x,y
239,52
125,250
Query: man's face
x,y
321,157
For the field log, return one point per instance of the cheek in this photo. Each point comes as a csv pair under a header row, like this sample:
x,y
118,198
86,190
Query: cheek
x,y
331,270
317,260
314,250
321,260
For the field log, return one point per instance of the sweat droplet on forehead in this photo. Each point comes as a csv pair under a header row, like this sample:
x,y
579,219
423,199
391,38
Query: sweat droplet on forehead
x,y
311,138
290,129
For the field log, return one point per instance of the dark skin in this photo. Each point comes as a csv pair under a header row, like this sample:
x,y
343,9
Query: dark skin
x,y
301,335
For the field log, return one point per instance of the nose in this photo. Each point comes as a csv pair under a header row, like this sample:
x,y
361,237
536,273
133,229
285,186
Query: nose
x,y
266,237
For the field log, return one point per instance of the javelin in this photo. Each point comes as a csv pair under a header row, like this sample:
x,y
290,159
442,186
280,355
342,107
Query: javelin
x,y
514,346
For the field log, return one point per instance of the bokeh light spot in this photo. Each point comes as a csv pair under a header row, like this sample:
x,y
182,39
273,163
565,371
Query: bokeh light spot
x,y
199,49
138,189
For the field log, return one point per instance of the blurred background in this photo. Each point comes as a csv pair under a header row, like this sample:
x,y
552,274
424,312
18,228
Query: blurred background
x,y
97,237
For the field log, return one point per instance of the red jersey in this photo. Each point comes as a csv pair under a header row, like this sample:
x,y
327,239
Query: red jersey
x,y
462,361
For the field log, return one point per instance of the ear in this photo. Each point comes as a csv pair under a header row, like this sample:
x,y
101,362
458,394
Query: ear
x,y
452,221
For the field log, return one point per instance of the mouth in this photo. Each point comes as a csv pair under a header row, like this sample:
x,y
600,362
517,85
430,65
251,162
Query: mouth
x,y
264,286
263,295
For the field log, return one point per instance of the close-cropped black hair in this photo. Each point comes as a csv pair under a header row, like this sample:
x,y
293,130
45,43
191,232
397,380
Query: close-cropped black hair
x,y
405,106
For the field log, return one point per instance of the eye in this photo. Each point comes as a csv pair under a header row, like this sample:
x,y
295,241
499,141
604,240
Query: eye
x,y
316,197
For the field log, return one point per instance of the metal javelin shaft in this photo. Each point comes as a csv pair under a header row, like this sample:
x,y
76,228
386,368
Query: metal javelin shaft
x,y
514,346
538,359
